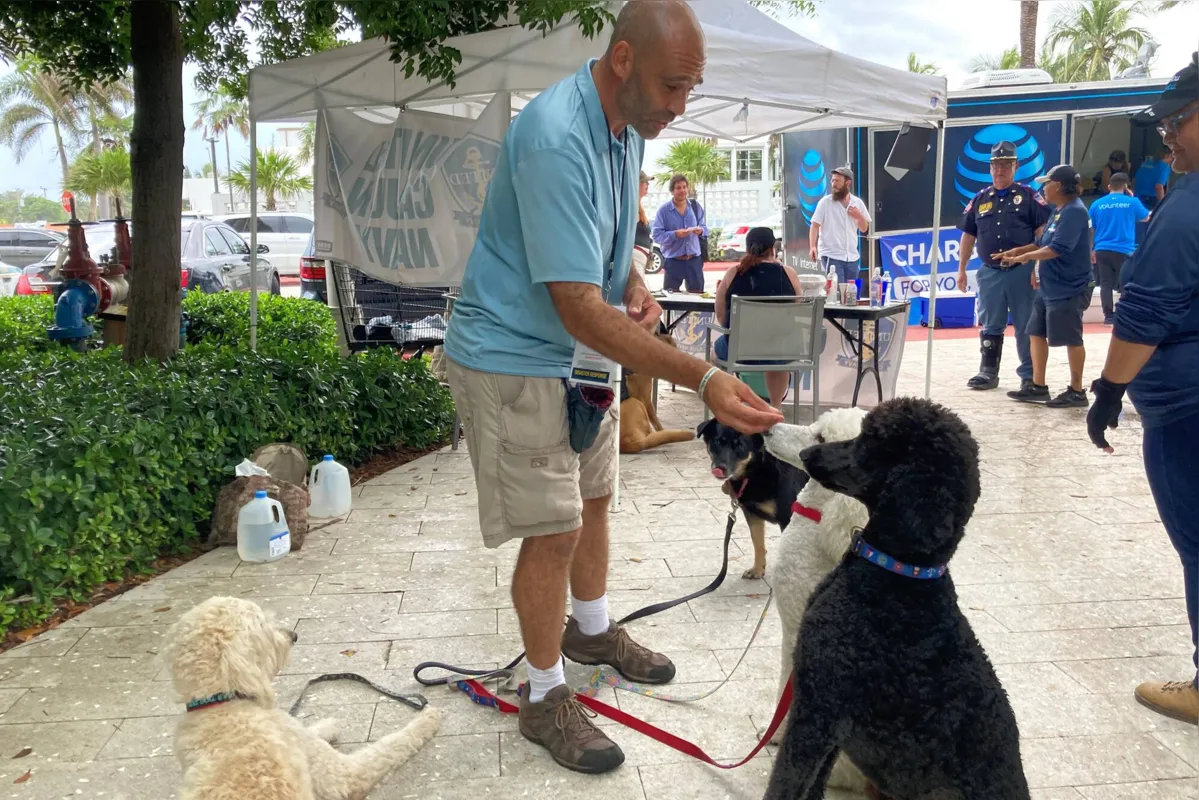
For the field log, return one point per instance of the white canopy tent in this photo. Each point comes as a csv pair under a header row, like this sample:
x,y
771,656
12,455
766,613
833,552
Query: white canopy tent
x,y
761,78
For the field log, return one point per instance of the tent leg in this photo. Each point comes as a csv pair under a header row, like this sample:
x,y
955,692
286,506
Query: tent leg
x,y
253,236
932,274
615,505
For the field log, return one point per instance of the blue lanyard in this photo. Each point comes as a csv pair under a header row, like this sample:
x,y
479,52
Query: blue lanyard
x,y
615,206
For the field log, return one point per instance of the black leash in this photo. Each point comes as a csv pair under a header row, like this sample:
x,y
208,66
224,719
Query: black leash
x,y
641,613
413,700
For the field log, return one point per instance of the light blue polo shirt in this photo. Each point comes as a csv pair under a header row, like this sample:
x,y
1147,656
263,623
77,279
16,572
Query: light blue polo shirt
x,y
548,217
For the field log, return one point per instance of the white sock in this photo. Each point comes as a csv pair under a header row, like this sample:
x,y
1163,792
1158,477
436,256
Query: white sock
x,y
592,615
542,680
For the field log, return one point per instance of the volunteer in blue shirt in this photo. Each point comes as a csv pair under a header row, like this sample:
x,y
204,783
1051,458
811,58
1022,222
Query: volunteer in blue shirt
x,y
1063,284
1004,216
1114,219
538,307
1152,178
1154,355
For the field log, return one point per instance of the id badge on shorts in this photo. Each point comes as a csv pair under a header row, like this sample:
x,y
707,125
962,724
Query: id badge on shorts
x,y
590,368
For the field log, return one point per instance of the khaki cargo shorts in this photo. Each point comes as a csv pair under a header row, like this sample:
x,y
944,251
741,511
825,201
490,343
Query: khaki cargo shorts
x,y
530,481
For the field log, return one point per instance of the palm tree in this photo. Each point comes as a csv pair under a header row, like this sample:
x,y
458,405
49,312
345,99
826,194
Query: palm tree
x,y
1028,33
103,174
1098,36
34,101
279,175
697,159
1008,59
105,105
307,142
919,67
216,115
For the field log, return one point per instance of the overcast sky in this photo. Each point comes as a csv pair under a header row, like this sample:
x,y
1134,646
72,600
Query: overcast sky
x,y
948,33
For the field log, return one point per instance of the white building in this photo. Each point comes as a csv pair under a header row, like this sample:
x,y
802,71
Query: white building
x,y
747,195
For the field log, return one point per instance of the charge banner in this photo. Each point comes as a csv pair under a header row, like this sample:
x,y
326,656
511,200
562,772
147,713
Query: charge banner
x,y
400,199
908,257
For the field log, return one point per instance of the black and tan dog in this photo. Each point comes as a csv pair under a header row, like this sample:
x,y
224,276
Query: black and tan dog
x,y
763,487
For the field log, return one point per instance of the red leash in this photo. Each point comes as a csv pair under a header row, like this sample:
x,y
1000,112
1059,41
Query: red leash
x,y
481,695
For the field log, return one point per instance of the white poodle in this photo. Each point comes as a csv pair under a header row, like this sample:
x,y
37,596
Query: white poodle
x,y
815,541
235,745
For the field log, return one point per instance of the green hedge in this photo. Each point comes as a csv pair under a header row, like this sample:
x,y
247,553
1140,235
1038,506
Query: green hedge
x,y
106,466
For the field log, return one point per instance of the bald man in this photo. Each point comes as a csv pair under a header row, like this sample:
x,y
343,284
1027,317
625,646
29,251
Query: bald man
x,y
550,304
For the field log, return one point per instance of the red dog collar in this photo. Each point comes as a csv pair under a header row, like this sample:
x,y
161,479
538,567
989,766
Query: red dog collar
x,y
810,513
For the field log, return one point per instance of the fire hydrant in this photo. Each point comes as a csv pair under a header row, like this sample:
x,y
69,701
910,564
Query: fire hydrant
x,y
82,291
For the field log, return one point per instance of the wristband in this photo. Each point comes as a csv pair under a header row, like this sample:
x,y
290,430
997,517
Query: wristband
x,y
703,382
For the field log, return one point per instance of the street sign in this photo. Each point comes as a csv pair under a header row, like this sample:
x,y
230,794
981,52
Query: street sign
x,y
67,197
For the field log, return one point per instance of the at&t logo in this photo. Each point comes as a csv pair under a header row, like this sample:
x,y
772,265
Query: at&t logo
x,y
813,183
974,164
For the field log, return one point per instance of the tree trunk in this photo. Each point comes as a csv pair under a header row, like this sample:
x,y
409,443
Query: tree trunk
x,y
62,154
1028,34
270,199
101,202
156,156
228,171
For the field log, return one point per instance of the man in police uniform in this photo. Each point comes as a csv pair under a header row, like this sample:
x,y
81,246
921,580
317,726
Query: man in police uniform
x,y
1004,215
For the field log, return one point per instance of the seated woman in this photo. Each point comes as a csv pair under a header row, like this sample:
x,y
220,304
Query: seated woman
x,y
758,275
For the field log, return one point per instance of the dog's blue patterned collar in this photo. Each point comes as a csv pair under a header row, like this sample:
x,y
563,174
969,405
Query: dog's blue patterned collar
x,y
215,700
862,549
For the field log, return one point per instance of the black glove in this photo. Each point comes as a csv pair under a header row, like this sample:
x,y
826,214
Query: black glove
x,y
1105,410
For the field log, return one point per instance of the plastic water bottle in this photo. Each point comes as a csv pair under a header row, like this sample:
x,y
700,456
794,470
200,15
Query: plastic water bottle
x,y
328,489
831,284
262,532
886,288
876,287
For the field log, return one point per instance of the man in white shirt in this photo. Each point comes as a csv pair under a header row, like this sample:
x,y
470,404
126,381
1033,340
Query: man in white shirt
x,y
838,220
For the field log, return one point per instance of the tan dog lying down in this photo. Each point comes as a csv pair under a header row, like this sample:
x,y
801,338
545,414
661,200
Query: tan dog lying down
x,y
640,428
235,745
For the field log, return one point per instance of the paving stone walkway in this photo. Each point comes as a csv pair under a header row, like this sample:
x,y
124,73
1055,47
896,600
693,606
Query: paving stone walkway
x,y
1065,573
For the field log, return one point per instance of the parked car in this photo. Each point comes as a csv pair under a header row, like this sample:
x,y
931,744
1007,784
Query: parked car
x,y
731,245
214,259
312,273
285,232
9,275
655,262
24,246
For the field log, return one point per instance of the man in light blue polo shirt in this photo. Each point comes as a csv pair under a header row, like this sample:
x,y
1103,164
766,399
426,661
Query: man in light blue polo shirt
x,y
552,259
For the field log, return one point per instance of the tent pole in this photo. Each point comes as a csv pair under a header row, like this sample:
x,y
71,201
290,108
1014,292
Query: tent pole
x,y
932,273
253,235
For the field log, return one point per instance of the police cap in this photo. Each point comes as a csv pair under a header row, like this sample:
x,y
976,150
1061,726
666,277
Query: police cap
x,y
1003,151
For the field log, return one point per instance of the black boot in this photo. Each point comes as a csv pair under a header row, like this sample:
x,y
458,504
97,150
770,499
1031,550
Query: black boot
x,y
988,372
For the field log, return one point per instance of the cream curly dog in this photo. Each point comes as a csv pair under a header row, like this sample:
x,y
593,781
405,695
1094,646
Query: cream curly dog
x,y
811,547
234,744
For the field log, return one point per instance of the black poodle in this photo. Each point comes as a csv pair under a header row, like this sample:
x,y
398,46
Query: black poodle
x,y
888,669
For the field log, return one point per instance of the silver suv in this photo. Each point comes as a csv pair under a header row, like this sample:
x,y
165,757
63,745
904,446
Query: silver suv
x,y
24,246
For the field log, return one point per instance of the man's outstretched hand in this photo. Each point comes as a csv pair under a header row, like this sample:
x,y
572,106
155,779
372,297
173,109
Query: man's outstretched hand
x,y
738,406
1105,411
642,308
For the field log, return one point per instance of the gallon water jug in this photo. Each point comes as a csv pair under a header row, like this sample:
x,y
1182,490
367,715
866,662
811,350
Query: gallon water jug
x,y
329,489
262,533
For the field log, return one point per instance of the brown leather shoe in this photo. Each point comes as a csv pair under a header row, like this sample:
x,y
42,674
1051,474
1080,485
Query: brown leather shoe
x,y
562,725
617,650
1177,699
